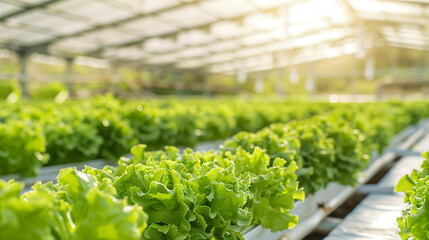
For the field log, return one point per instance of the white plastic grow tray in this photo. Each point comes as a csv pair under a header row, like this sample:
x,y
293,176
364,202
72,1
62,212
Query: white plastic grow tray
x,y
50,173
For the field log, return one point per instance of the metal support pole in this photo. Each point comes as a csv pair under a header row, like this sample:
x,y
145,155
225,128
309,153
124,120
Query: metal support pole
x,y
177,79
369,67
425,54
23,77
355,74
69,75
279,75
293,74
394,62
284,14
259,83
241,74
115,79
360,54
205,79
310,83
150,78
379,92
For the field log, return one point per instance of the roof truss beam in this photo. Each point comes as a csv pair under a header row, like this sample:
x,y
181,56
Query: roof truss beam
x,y
205,26
118,23
27,9
289,38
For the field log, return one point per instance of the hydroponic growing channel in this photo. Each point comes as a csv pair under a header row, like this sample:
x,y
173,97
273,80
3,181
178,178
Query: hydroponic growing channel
x,y
254,187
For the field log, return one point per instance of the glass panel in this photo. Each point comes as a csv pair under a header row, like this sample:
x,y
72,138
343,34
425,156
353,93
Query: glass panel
x,y
411,30
95,11
219,58
194,37
256,39
223,46
315,10
162,59
372,16
407,19
189,64
129,53
149,27
373,6
227,29
74,45
402,8
247,52
264,4
21,36
40,19
193,52
161,45
147,6
7,8
227,8
30,2
407,41
262,22
187,17
108,37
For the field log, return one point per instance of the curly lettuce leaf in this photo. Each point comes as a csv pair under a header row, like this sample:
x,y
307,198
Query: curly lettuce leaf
x,y
414,222
274,188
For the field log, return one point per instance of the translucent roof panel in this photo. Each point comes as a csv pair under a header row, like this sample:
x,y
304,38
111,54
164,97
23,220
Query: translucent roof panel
x,y
227,8
249,52
162,59
187,17
410,30
299,29
106,37
76,45
150,26
193,33
222,68
189,64
193,52
128,53
396,11
215,58
257,22
224,46
17,35
29,2
271,3
40,18
227,29
94,12
367,5
266,59
194,37
407,35
402,8
302,12
161,45
146,6
256,39
6,8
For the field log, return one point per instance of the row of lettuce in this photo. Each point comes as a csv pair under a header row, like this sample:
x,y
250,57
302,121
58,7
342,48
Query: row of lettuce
x,y
43,133
414,222
254,178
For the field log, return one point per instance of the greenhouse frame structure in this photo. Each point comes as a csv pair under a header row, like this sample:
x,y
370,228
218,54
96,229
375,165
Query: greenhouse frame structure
x,y
210,36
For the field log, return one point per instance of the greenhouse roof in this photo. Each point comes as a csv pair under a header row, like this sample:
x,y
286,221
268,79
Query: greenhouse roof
x,y
213,35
